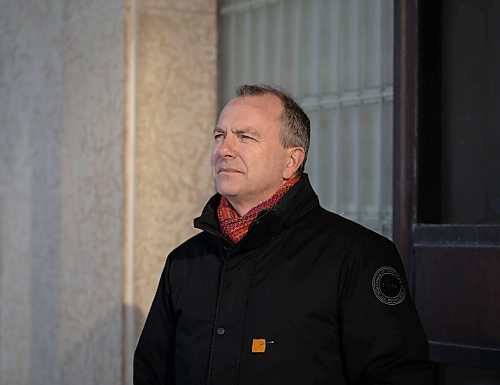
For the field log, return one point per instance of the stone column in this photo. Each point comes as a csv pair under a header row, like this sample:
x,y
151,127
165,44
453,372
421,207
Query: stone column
x,y
171,111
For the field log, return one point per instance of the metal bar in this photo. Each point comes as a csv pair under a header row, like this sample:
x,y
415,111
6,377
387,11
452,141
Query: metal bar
x,y
263,56
297,20
357,51
312,81
310,86
314,154
348,99
245,51
278,50
378,176
337,84
231,50
244,6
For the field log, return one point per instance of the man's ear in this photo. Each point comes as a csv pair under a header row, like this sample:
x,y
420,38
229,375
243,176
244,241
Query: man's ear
x,y
295,159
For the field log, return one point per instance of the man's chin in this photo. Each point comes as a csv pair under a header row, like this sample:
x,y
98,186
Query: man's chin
x,y
227,192
226,185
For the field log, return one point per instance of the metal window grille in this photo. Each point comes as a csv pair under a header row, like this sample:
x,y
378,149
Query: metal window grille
x,y
335,57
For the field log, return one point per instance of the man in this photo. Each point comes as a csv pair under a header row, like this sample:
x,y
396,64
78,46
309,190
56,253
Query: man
x,y
275,289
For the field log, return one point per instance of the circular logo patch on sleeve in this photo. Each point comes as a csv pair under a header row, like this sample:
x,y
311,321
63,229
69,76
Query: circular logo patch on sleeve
x,y
388,286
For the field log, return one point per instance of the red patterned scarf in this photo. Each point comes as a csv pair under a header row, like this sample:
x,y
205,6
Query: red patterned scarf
x,y
236,227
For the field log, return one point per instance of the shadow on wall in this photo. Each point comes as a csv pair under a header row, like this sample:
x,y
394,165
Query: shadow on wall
x,y
73,337
100,356
139,320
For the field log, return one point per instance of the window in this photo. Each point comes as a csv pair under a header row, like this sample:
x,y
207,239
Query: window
x,y
335,57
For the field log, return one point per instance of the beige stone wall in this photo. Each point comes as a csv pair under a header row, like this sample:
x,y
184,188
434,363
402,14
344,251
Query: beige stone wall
x,y
175,104
106,110
171,78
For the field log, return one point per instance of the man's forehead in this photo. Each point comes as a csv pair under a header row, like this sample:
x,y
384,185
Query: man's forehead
x,y
244,107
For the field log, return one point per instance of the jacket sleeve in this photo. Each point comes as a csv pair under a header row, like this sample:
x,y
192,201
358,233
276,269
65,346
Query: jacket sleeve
x,y
382,339
154,355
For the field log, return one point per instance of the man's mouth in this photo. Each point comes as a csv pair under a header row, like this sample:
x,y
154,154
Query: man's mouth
x,y
228,170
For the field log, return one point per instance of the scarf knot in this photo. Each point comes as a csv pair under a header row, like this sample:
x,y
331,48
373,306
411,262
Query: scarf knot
x,y
235,227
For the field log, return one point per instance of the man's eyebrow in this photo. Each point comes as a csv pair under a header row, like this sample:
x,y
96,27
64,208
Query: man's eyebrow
x,y
218,129
246,130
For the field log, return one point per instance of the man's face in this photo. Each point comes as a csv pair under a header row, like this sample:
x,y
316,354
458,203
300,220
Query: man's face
x,y
248,159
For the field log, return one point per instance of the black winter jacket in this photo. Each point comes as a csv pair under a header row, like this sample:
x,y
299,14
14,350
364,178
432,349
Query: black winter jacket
x,y
307,297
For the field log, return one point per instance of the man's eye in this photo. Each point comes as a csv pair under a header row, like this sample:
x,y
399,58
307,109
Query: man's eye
x,y
218,137
246,137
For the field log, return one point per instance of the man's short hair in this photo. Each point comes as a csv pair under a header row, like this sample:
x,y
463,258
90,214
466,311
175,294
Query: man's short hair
x,y
295,125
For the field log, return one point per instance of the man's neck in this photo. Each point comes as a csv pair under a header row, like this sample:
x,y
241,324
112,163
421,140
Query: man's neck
x,y
242,207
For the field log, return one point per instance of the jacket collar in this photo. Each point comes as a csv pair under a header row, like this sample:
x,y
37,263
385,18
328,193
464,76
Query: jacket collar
x,y
296,203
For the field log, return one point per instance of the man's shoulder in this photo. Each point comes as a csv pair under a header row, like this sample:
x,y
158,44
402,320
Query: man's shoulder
x,y
341,227
327,220
357,247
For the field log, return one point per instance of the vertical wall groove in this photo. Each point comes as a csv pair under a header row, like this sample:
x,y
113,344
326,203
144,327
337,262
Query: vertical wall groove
x,y
129,316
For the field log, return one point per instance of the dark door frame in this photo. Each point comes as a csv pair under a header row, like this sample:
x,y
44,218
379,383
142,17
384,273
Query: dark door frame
x,y
423,240
406,65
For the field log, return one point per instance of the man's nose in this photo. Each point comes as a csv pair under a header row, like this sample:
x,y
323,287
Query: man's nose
x,y
228,146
